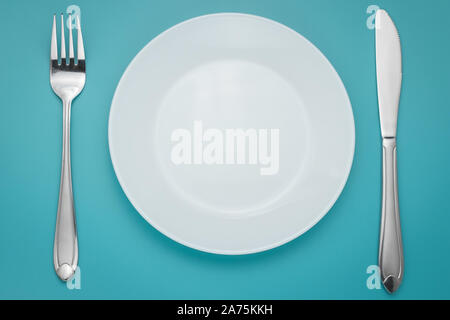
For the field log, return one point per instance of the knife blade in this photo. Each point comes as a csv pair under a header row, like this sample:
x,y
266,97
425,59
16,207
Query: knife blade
x,y
389,80
389,72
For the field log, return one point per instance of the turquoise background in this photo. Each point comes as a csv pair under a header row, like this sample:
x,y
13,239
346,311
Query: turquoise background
x,y
121,256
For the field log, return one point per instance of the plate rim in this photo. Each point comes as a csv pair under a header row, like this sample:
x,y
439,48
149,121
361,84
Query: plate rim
x,y
188,244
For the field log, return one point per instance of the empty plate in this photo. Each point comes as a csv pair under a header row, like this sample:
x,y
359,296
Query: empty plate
x,y
231,133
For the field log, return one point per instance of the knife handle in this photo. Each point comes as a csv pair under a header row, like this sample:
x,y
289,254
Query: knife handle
x,y
391,248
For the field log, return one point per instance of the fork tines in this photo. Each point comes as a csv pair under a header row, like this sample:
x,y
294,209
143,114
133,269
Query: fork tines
x,y
54,44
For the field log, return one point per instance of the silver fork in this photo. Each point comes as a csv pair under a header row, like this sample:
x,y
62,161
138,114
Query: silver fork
x,y
67,80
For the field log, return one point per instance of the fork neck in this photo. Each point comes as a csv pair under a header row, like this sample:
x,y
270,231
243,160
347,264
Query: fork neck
x,y
67,105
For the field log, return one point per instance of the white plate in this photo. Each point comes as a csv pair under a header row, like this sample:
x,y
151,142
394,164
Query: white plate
x,y
224,72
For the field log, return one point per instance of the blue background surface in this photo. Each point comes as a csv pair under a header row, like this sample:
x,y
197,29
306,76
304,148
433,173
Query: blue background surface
x,y
121,256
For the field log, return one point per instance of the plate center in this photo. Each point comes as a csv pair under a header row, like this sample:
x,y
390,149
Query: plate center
x,y
231,136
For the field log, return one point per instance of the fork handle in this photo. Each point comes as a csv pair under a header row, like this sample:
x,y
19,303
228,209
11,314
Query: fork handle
x,y
391,248
65,250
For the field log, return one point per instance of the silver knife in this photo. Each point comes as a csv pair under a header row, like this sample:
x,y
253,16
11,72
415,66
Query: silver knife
x,y
389,81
